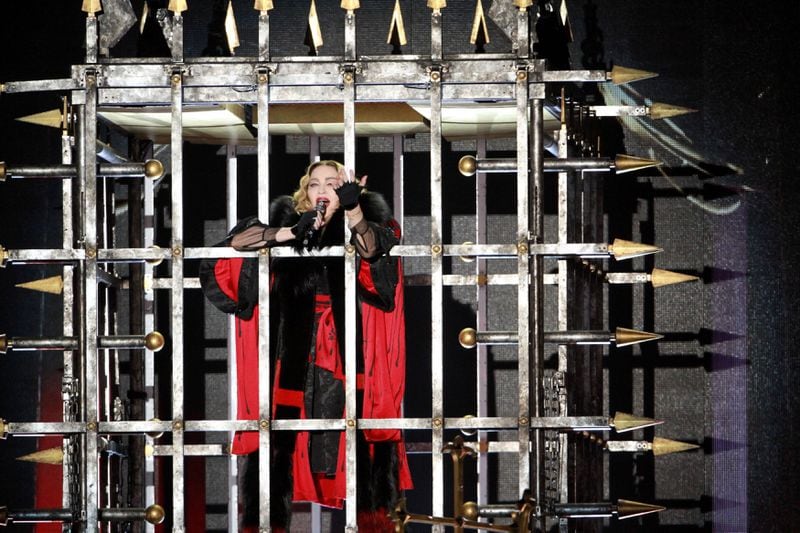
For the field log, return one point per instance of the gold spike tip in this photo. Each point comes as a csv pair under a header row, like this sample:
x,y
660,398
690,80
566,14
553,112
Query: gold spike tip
x,y
620,75
177,6
622,249
659,110
3,256
50,456
154,341
467,165
3,428
153,169
523,4
660,278
623,422
350,5
91,7
468,338
3,343
397,25
479,25
630,509
51,285
436,5
666,446
263,5
50,119
2,171
469,510
628,163
627,337
154,514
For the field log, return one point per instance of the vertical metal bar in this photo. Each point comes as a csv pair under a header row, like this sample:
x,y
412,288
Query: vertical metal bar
x,y
564,290
231,191
437,318
313,148
176,244
67,309
91,39
149,325
89,286
398,161
351,408
263,35
264,370
177,38
316,509
482,323
536,292
350,36
523,271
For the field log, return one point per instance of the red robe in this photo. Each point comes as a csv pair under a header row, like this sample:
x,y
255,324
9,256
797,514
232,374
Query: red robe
x,y
383,382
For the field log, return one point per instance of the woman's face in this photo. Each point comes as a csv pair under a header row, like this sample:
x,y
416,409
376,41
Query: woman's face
x,y
321,184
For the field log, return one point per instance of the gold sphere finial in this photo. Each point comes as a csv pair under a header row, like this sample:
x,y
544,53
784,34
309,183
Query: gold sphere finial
x,y
467,165
153,168
154,514
154,341
469,510
3,171
468,338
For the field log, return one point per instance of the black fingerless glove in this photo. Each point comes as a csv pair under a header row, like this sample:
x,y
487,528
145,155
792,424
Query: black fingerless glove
x,y
348,194
305,223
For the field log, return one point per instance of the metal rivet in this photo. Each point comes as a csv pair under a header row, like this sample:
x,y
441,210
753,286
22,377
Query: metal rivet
x,y
350,249
437,422
523,248
91,253
436,249
263,251
351,423
177,425
522,75
435,76
263,424
91,426
262,78
523,421
177,251
176,79
348,77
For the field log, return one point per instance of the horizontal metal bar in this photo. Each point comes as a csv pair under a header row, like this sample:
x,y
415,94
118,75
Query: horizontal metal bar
x,y
550,164
126,342
64,84
598,76
23,516
204,450
104,170
575,423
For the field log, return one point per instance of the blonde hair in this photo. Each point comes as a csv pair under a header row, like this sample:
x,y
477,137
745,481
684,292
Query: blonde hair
x,y
300,196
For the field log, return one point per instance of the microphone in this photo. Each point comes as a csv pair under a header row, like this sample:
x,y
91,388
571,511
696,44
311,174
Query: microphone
x,y
321,207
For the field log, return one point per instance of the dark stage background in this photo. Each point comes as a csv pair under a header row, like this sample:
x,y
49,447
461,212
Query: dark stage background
x,y
735,62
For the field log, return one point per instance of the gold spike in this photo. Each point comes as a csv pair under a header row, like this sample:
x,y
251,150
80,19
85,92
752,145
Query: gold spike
x,y
3,255
628,337
230,28
628,163
630,509
627,422
3,427
660,110
397,26
350,5
523,4
91,7
263,5
659,277
436,5
143,21
565,20
3,251
665,446
50,456
620,75
622,249
3,344
313,27
478,25
51,119
177,6
52,285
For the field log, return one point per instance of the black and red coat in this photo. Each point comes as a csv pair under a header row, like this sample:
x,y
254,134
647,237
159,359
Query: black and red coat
x,y
304,387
